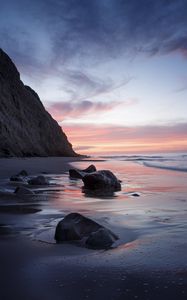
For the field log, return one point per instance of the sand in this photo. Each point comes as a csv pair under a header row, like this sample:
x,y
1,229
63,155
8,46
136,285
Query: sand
x,y
148,262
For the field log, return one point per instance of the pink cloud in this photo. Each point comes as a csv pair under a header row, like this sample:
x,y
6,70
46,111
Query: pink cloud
x,y
105,139
64,110
73,109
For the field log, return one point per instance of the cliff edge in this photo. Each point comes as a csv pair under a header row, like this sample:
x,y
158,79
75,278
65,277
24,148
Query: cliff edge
x,y
26,128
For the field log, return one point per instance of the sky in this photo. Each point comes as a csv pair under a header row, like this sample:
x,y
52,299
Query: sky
x,y
113,73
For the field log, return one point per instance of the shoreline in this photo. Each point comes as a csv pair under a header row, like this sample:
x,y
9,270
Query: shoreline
x,y
148,263
35,165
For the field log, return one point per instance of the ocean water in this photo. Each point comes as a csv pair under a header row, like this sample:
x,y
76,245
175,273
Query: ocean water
x,y
175,162
153,197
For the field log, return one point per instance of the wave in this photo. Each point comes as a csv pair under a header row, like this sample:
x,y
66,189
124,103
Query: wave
x,y
166,167
174,162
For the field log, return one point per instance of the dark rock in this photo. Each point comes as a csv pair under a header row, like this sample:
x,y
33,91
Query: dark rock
x,y
90,169
17,178
77,227
23,173
39,180
101,180
100,239
79,174
135,195
20,190
76,174
26,128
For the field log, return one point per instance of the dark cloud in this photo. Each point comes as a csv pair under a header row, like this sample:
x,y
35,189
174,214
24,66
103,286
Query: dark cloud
x,y
65,39
92,30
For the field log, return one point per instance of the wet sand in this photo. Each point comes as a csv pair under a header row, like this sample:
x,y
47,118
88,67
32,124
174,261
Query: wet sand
x,y
148,262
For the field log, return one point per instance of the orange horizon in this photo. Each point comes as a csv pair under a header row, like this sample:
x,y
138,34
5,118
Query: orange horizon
x,y
105,140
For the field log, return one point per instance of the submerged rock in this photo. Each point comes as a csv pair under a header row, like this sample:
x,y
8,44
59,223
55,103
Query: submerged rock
x,y
78,227
79,174
39,180
101,180
20,190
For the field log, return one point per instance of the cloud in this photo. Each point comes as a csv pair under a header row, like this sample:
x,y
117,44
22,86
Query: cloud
x,y
82,32
79,85
83,148
121,139
72,109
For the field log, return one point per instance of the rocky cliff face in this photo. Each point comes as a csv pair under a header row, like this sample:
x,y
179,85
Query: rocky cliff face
x,y
26,128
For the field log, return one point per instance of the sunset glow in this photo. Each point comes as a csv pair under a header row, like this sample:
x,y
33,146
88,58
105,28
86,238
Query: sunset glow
x,y
119,140
112,73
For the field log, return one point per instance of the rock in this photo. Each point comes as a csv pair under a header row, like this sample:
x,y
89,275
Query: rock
x,y
135,195
17,178
101,239
74,227
20,190
78,227
39,180
76,174
26,128
101,180
23,173
90,169
79,174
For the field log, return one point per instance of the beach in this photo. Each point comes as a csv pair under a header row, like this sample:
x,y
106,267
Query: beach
x,y
149,261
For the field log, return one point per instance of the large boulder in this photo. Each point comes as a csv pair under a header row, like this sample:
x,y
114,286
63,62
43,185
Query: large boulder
x,y
39,180
79,174
78,227
100,239
101,180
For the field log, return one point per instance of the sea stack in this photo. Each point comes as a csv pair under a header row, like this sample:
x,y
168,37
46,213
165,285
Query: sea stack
x,y
26,128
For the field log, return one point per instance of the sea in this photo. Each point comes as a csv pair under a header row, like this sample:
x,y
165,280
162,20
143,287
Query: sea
x,y
153,195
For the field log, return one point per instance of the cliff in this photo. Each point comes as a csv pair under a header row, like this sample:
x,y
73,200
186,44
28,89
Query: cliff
x,y
26,128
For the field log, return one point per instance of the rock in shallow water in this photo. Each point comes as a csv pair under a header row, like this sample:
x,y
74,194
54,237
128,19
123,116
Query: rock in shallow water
x,y
23,173
17,178
78,227
90,169
135,195
79,174
39,180
100,180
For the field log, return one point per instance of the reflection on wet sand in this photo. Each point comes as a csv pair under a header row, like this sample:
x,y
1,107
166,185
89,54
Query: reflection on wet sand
x,y
19,209
144,190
